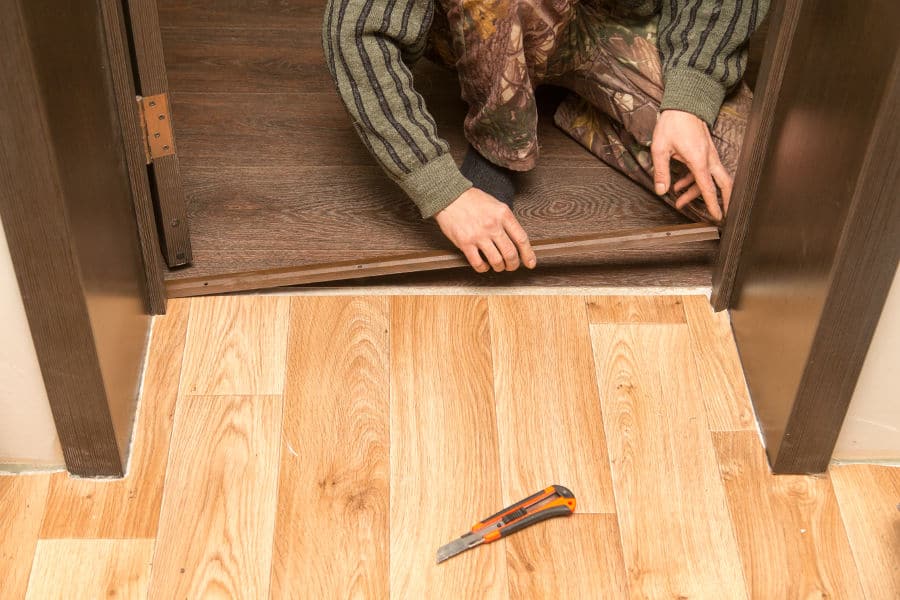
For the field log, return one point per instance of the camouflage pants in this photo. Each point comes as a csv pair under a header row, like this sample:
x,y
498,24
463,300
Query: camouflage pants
x,y
504,49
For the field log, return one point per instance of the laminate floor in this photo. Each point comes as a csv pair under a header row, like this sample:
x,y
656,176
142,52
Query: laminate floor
x,y
325,446
275,176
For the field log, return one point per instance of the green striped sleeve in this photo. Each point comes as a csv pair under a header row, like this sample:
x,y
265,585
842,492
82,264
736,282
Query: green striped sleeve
x,y
703,45
365,42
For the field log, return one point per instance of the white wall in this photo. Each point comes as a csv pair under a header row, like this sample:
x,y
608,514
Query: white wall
x,y
871,430
27,433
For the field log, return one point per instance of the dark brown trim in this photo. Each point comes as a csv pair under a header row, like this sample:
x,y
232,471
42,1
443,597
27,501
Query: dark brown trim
x,y
126,103
143,19
864,269
783,23
431,261
34,218
822,242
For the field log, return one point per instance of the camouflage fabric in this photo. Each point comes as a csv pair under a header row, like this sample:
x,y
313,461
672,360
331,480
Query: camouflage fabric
x,y
504,49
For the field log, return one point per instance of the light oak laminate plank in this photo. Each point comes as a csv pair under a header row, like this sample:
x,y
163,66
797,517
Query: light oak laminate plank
x,y
728,406
445,471
635,309
218,514
129,507
332,529
22,499
236,345
788,528
573,557
548,411
869,500
672,510
73,568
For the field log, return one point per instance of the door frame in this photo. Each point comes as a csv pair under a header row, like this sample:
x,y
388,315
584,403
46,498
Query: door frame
x,y
68,213
783,18
806,299
769,102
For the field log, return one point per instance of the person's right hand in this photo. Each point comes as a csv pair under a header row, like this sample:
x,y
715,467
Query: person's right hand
x,y
480,225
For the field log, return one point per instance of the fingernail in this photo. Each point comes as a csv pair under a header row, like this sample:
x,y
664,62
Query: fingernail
x,y
530,264
660,189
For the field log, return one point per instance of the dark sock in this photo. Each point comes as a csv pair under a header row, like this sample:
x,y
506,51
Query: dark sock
x,y
488,177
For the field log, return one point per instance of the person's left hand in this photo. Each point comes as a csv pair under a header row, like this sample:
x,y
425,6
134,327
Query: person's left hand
x,y
685,137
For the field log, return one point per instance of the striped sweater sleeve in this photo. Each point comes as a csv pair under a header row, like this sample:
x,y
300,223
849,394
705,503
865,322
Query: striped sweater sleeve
x,y
703,46
365,43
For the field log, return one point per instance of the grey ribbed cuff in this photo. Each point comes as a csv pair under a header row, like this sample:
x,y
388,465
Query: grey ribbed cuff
x,y
435,185
693,91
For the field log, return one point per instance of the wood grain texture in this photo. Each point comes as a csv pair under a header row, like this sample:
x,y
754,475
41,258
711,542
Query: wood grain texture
x,y
546,250
236,346
262,129
149,59
247,59
267,14
90,569
292,185
443,447
635,309
129,507
652,276
276,219
218,516
728,405
788,528
548,411
667,484
868,497
575,557
22,501
83,251
332,530
116,38
823,273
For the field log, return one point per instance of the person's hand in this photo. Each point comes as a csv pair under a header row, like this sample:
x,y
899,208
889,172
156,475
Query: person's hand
x,y
480,225
685,137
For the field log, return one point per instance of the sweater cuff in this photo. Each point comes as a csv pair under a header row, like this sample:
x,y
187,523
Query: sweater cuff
x,y
435,185
695,92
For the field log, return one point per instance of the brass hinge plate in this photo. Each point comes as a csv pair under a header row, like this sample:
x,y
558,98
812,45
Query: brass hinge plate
x,y
156,124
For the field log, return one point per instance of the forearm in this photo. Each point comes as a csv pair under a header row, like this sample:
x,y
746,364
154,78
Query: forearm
x,y
364,43
703,47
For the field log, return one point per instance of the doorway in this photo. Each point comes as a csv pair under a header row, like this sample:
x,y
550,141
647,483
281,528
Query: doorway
x,y
275,177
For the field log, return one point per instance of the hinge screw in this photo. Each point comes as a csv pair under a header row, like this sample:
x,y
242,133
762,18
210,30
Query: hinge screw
x,y
156,135
175,222
165,147
152,103
162,117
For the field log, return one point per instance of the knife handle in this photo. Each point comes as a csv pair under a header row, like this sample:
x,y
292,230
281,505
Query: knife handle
x,y
554,501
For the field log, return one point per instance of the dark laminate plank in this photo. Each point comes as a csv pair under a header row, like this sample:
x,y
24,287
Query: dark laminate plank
x,y
264,218
246,60
238,13
644,239
313,129
660,273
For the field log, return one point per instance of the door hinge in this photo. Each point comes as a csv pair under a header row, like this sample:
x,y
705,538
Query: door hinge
x,y
156,126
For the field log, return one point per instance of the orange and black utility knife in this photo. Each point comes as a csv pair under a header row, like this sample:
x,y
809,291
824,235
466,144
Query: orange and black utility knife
x,y
555,501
